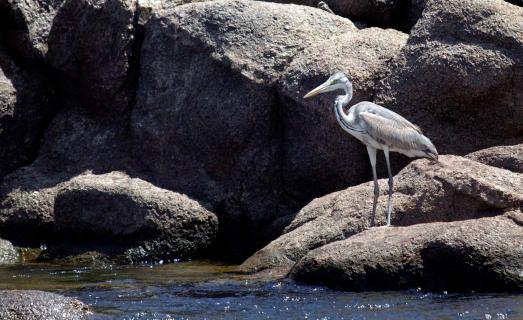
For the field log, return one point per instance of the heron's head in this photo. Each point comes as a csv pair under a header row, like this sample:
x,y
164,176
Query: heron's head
x,y
337,81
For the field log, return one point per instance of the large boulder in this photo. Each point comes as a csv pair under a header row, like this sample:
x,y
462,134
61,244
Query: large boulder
x,y
506,157
207,119
125,218
148,221
39,305
453,189
25,107
460,76
481,255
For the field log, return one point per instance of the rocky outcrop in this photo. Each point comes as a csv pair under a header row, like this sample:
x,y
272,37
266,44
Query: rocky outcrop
x,y
122,217
8,253
460,76
205,99
207,121
506,157
481,255
39,305
453,189
25,108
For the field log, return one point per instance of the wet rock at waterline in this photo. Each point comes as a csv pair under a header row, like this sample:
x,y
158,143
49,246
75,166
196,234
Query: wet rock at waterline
x,y
453,189
481,255
124,218
155,222
506,157
8,253
39,305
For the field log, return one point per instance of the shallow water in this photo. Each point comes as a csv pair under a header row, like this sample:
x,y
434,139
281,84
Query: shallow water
x,y
206,290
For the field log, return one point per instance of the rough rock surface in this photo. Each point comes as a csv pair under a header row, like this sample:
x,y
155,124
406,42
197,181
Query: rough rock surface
x,y
453,189
120,216
506,157
482,255
8,253
25,107
460,76
91,46
26,25
206,122
39,305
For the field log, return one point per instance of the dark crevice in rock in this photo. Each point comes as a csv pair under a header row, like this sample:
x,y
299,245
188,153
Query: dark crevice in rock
x,y
515,2
32,66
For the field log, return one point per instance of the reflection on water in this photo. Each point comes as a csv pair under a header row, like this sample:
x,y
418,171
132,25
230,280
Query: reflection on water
x,y
204,290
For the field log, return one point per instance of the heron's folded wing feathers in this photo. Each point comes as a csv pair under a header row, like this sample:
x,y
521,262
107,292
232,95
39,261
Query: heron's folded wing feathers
x,y
395,133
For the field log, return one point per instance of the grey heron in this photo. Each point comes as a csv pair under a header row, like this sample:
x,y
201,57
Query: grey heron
x,y
379,129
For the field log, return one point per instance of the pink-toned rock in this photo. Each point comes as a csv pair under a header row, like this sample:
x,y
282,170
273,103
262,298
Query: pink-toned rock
x,y
481,254
453,189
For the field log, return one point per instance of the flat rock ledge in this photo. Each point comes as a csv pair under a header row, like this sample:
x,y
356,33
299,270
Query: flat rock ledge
x,y
40,305
481,255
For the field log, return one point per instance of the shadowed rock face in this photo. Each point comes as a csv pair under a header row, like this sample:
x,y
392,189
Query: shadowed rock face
x,y
35,305
397,14
26,27
453,189
25,108
482,255
91,48
125,218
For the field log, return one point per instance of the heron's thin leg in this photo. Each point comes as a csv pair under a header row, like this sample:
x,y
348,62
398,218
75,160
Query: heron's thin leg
x,y
372,157
389,201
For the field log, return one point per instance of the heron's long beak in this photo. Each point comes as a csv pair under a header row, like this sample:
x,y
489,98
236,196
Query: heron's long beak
x,y
320,89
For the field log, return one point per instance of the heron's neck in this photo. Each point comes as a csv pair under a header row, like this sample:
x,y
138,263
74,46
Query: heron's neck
x,y
343,100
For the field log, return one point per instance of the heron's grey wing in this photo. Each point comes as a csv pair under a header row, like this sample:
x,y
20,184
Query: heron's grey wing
x,y
393,132
387,114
